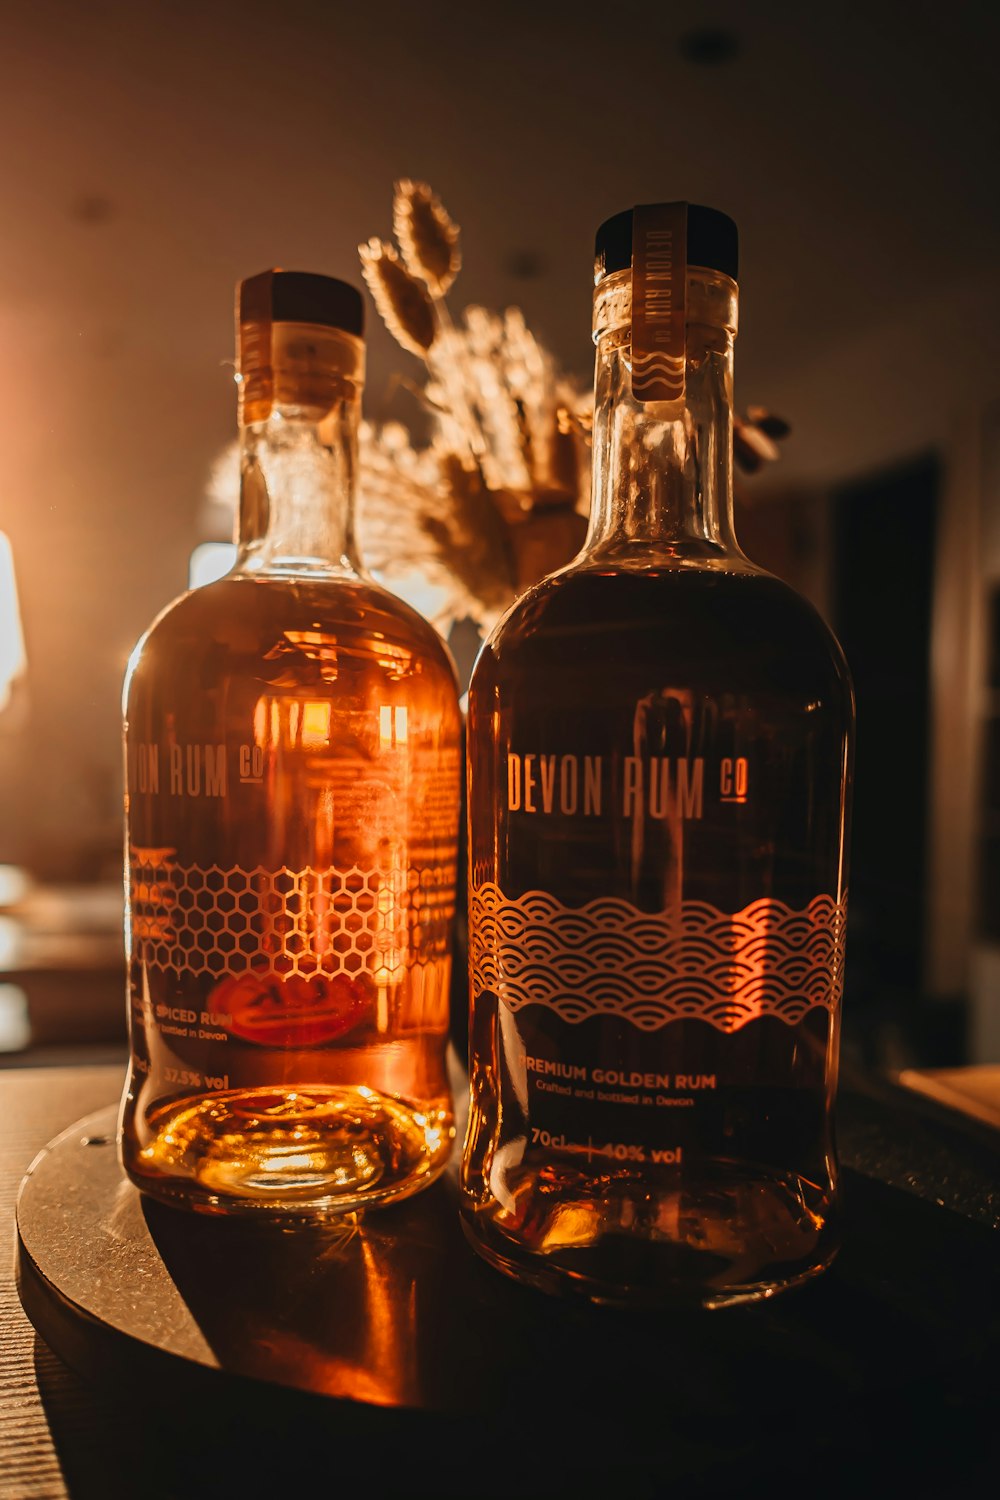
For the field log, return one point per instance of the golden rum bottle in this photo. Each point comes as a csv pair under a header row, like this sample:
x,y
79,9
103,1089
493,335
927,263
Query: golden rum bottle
x,y
660,742
292,752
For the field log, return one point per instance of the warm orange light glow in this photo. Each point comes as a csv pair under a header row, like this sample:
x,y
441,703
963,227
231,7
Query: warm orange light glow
x,y
12,657
315,723
393,725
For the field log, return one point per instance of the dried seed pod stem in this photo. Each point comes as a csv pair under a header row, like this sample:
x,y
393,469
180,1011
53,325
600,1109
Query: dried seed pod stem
x,y
427,235
449,368
752,448
406,307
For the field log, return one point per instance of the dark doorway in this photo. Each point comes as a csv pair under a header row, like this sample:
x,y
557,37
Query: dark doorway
x,y
884,529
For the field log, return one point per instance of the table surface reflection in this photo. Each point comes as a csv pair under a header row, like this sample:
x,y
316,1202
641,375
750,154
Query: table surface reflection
x,y
385,1353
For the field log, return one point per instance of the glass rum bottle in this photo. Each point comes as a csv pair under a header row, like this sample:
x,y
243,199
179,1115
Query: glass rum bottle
x,y
293,762
660,740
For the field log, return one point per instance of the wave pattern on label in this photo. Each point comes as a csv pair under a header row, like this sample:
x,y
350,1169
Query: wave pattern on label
x,y
657,377
609,958
196,919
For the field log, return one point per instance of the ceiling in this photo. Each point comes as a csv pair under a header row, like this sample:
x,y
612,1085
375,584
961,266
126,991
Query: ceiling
x,y
155,153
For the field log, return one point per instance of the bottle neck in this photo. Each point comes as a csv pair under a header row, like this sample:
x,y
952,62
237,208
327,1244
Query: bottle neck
x,y
663,470
297,494
300,401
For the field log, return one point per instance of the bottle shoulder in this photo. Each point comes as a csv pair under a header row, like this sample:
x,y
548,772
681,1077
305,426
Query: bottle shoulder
x,y
247,620
685,620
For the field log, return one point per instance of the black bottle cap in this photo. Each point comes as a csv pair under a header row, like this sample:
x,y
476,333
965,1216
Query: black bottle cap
x,y
712,241
302,297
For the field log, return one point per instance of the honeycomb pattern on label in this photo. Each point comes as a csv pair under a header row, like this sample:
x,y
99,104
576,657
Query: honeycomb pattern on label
x,y
609,958
194,919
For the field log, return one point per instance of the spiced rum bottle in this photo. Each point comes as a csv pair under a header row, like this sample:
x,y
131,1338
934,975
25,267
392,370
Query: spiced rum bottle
x,y
660,741
293,761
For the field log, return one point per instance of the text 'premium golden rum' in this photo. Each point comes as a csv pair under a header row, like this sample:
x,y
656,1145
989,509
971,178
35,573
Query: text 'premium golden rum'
x,y
292,747
660,744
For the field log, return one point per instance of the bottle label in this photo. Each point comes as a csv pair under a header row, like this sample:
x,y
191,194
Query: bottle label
x,y
659,282
608,958
631,787
194,920
347,932
286,958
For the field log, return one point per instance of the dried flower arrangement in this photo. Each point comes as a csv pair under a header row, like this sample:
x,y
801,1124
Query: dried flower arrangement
x,y
501,494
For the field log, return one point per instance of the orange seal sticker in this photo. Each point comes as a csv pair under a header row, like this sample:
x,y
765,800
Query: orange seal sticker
x,y
291,1010
659,277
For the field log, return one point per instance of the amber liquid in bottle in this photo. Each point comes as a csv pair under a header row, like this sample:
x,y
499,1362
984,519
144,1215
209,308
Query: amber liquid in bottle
x,y
292,762
659,741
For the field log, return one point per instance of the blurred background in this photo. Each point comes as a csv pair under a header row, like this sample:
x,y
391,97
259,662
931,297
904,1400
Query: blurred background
x,y
155,154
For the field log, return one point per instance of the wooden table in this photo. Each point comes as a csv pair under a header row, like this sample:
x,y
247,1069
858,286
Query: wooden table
x,y
886,1367
54,1428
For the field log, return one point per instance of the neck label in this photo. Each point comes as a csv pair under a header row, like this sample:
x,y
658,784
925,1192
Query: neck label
x,y
253,346
659,280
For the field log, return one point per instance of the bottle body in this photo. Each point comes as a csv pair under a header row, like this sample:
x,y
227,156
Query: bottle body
x,y
292,766
657,936
292,752
660,743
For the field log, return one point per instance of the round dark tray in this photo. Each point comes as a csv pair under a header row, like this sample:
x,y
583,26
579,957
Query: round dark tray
x,y
387,1342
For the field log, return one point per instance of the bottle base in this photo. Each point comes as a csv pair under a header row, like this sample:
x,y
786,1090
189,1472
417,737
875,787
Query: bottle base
x,y
726,1240
290,1154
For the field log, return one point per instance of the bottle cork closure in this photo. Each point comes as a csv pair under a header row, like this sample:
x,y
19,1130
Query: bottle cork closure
x,y
298,344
